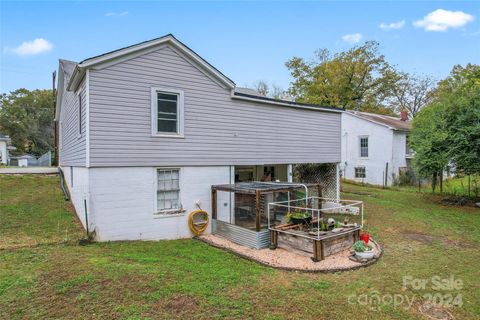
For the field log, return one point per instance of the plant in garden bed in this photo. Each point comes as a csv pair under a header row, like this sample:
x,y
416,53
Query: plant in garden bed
x,y
299,217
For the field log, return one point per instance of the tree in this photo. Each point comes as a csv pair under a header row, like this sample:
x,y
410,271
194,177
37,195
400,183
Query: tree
x,y
429,139
272,91
410,92
461,93
448,129
358,79
27,117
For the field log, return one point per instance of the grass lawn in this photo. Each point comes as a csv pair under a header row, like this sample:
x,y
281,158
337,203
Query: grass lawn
x,y
188,279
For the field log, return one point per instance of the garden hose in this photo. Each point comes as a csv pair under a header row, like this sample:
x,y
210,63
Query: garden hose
x,y
198,227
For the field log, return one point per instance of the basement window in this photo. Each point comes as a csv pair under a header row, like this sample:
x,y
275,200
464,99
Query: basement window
x,y
168,191
167,112
360,172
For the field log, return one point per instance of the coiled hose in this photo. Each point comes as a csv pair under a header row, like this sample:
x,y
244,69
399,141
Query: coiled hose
x,y
198,227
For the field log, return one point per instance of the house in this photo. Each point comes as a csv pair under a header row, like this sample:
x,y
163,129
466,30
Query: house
x,y
4,148
146,131
374,147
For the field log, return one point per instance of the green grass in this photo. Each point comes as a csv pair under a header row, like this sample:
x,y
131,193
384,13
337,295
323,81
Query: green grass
x,y
33,212
459,186
189,279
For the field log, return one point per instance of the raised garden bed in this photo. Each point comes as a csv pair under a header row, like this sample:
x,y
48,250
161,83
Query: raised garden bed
x,y
299,241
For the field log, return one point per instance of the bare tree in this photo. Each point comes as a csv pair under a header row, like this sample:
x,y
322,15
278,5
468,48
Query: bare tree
x,y
411,92
272,91
261,87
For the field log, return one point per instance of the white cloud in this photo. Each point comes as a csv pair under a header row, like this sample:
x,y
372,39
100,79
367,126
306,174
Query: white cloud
x,y
442,20
116,14
393,25
352,38
30,48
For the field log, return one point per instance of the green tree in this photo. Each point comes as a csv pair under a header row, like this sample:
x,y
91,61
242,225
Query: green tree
x,y
27,117
448,129
429,139
460,92
359,79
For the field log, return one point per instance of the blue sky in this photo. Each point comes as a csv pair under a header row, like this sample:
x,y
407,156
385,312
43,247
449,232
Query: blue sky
x,y
247,41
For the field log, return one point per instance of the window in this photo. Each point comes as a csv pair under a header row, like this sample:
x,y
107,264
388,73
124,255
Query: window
x,y
168,191
80,114
167,112
364,147
360,172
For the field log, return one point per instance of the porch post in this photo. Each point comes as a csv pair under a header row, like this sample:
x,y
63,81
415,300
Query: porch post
x,y
214,203
257,210
290,173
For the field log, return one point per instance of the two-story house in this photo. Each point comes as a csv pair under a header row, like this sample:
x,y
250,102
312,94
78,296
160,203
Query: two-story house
x,y
146,130
374,147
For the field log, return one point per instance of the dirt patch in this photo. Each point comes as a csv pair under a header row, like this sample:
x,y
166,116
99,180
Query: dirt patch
x,y
428,239
360,193
458,201
434,312
420,237
182,303
181,306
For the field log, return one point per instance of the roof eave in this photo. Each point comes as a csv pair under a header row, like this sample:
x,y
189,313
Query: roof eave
x,y
291,104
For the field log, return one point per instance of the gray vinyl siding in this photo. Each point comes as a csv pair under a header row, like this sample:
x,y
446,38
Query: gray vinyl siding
x,y
72,151
218,130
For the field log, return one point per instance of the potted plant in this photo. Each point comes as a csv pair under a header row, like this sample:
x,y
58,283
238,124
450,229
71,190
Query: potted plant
x,y
363,251
299,217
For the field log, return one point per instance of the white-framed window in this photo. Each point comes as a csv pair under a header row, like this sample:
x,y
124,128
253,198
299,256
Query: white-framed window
x,y
360,172
168,199
167,112
80,120
363,147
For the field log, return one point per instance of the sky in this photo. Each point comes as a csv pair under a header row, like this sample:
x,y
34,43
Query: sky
x,y
248,41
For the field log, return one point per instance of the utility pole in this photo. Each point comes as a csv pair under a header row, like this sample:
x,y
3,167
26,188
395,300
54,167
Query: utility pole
x,y
55,121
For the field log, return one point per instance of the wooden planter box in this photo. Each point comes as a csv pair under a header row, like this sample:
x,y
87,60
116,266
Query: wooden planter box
x,y
317,249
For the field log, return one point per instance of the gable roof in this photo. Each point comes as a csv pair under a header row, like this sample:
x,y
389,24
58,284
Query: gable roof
x,y
72,73
142,47
390,122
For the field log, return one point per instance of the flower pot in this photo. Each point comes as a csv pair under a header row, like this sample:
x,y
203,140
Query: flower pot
x,y
365,255
365,237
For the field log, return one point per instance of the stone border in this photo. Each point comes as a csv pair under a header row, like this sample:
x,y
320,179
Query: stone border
x,y
246,257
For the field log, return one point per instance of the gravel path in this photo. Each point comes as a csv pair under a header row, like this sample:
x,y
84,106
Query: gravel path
x,y
281,258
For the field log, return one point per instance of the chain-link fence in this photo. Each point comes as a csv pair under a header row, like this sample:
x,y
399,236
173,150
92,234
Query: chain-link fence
x,y
325,174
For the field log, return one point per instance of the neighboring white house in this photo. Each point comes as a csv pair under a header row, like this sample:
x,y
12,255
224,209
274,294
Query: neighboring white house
x,y
374,147
4,147
145,131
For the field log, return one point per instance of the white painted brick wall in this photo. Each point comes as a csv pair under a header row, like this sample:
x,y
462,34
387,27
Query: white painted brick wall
x,y
122,201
